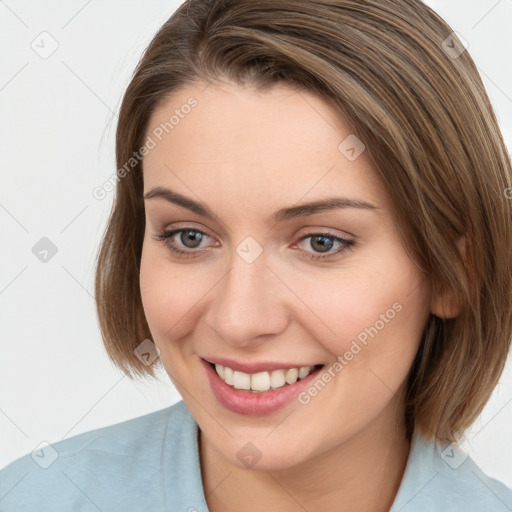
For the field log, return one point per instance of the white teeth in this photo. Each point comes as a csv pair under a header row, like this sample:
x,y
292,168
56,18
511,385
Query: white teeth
x,y
220,370
303,372
241,380
262,381
277,379
292,375
228,375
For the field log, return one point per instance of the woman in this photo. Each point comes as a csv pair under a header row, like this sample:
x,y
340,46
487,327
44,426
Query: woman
x,y
311,232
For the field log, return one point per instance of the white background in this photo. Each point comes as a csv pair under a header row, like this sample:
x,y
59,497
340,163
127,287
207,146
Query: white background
x,y
58,118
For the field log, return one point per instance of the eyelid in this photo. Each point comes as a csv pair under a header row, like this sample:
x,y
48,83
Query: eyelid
x,y
188,226
317,230
311,230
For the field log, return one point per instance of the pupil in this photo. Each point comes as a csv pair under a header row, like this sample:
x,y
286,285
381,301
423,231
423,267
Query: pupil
x,y
322,246
191,236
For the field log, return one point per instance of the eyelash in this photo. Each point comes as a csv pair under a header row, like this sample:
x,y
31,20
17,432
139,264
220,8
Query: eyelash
x,y
166,235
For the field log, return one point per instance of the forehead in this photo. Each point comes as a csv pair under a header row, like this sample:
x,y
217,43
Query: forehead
x,y
275,145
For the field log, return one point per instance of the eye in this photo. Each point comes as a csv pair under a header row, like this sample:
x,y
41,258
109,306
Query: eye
x,y
323,243
189,241
190,238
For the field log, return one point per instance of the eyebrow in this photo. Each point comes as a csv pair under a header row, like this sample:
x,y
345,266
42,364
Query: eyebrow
x,y
302,210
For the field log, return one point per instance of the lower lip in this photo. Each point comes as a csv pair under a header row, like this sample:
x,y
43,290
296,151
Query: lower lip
x,y
255,404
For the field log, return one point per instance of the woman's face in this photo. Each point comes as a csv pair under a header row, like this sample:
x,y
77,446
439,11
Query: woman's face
x,y
271,286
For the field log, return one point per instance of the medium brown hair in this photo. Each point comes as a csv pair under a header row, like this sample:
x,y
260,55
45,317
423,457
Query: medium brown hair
x,y
388,67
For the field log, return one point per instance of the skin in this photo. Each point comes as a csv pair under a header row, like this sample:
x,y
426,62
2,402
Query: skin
x,y
246,154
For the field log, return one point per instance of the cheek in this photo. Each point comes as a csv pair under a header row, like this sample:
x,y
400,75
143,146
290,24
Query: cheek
x,y
373,317
377,320
169,295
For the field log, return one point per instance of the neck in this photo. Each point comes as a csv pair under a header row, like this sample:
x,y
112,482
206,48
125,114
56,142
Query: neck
x,y
362,473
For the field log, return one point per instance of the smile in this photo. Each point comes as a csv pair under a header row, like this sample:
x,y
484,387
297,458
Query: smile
x,y
262,381
257,392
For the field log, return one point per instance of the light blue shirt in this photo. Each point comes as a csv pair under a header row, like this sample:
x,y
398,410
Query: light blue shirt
x,y
151,464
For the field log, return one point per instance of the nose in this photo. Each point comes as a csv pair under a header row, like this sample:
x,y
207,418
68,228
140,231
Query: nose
x,y
248,303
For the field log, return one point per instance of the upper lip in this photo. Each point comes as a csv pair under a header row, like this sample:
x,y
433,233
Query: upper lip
x,y
255,366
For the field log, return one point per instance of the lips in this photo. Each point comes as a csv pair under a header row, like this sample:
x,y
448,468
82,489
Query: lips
x,y
250,403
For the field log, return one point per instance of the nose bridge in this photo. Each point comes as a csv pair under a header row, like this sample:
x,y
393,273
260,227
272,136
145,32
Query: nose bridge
x,y
245,304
